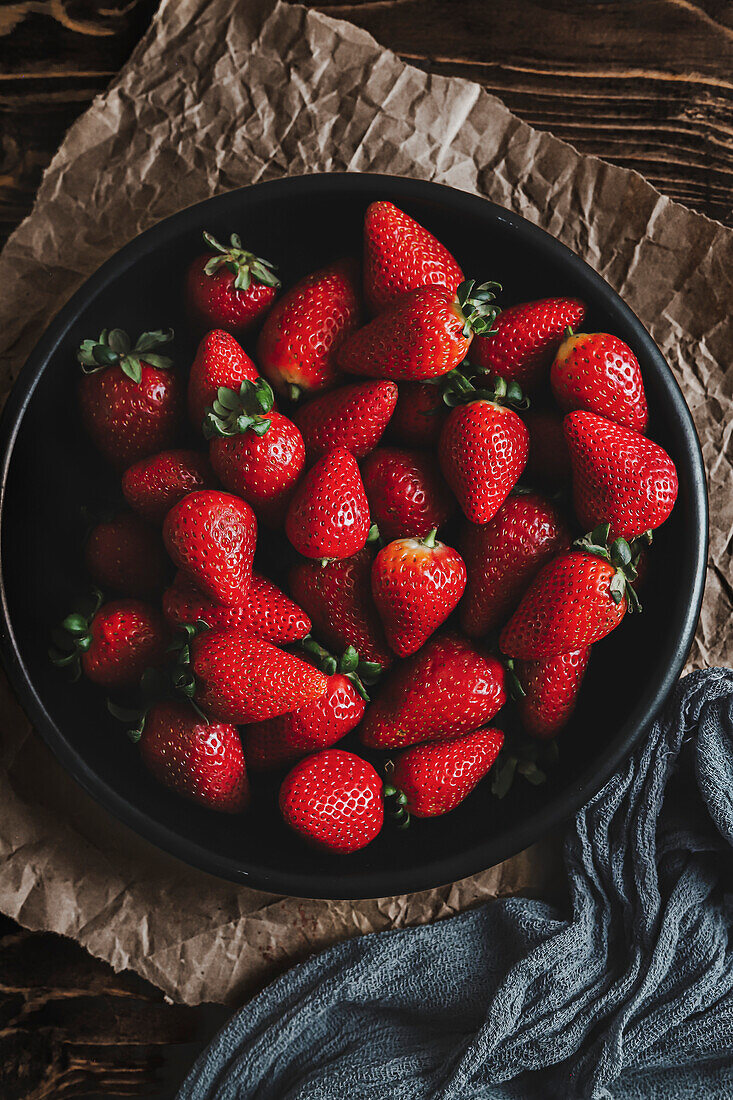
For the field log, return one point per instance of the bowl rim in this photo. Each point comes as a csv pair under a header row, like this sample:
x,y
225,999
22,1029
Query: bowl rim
x,y
471,859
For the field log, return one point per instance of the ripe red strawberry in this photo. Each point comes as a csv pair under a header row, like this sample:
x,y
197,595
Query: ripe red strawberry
x,y
406,492
241,679
338,598
212,536
576,599
423,334
299,343
126,555
419,415
264,610
113,644
219,362
201,761
527,337
548,461
131,402
334,800
256,452
416,584
436,778
448,687
228,287
551,688
483,450
400,255
154,484
328,515
503,556
600,373
353,417
619,476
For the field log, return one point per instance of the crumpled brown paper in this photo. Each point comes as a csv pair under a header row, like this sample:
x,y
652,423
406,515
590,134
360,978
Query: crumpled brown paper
x,y
221,94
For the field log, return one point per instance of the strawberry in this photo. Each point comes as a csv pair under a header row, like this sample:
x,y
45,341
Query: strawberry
x,y
483,449
576,599
338,598
299,343
334,800
319,724
551,687
406,492
328,515
256,452
130,399
239,678
448,687
201,761
264,610
600,373
112,643
423,334
503,556
400,255
619,476
419,415
526,339
219,362
228,287
430,780
353,417
123,553
548,461
154,484
212,535
416,584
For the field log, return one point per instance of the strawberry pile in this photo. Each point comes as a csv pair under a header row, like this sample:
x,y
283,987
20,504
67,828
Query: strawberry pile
x,y
448,551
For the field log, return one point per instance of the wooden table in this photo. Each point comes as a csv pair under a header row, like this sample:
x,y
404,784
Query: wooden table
x,y
646,85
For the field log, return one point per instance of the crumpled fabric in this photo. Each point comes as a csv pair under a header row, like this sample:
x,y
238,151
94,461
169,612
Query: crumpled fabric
x,y
628,994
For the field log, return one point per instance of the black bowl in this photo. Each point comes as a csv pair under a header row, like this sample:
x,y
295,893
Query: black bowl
x,y
49,471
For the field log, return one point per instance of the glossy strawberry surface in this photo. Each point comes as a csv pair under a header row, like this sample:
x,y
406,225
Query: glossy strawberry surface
x,y
328,516
448,687
353,417
406,492
243,679
551,685
264,610
201,761
526,339
214,302
619,476
262,469
211,535
126,555
154,484
483,450
300,339
400,255
600,373
435,778
416,584
127,637
334,800
337,597
310,728
503,555
419,415
567,606
220,361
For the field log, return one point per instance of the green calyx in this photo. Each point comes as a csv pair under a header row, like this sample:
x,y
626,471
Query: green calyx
x,y
624,556
73,636
235,412
244,265
477,307
395,802
515,688
156,686
359,673
114,348
181,677
465,385
525,756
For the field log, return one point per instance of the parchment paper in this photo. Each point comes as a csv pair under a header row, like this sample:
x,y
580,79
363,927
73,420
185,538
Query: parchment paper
x,y
218,95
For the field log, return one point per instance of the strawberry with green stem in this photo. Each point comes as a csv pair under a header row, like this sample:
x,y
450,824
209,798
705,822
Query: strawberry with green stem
x,y
525,338
219,361
229,287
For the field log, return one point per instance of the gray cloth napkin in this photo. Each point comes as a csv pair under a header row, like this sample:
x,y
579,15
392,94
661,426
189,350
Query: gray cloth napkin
x,y
630,995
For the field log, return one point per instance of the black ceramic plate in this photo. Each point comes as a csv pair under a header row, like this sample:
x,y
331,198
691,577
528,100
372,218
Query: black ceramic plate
x,y
49,471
